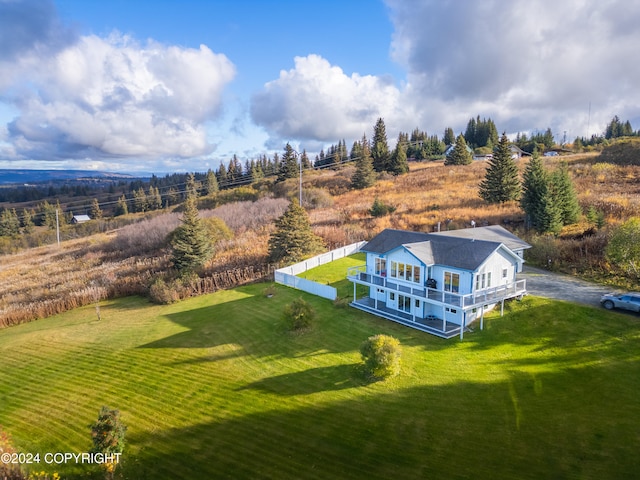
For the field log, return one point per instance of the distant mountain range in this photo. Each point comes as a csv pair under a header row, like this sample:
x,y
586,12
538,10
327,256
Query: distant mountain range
x,y
28,177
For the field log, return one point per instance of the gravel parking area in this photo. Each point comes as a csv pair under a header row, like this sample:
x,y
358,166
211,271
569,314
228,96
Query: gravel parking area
x,y
562,287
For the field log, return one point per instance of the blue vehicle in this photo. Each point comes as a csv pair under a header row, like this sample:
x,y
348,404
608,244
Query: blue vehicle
x,y
625,301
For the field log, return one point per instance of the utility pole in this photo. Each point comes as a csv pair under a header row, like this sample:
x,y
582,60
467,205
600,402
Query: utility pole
x,y
57,227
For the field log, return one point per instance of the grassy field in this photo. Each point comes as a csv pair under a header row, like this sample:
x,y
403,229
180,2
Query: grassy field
x,y
216,387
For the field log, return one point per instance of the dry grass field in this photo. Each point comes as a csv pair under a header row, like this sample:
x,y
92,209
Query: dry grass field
x,y
46,280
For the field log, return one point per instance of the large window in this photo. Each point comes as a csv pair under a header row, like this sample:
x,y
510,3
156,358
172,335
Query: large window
x,y
381,266
451,282
483,280
405,271
404,303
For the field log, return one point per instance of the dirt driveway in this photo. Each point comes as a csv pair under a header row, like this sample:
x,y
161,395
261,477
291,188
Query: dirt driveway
x,y
562,287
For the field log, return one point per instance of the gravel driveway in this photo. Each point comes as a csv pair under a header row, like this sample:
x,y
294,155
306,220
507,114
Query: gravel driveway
x,y
562,287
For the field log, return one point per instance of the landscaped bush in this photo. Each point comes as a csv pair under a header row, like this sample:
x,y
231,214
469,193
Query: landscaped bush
x,y
381,356
299,315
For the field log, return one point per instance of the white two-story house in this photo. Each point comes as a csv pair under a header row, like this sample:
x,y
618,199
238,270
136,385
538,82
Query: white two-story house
x,y
439,282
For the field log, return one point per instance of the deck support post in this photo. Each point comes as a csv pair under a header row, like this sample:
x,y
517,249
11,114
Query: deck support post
x,y
482,318
502,308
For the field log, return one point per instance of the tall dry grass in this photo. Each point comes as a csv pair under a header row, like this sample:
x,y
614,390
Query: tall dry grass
x,y
45,280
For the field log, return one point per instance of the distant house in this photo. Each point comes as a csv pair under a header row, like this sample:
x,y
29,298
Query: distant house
x,y
439,282
80,219
450,148
517,152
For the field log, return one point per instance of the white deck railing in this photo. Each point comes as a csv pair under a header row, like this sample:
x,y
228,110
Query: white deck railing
x,y
488,295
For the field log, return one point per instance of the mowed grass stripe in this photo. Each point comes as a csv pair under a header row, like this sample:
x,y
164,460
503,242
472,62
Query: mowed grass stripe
x,y
216,387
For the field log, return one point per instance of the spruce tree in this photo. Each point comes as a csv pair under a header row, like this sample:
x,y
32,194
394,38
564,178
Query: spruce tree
x,y
293,239
211,183
379,147
289,167
190,241
565,195
537,199
121,207
27,220
459,155
501,183
398,164
9,223
95,211
364,176
449,137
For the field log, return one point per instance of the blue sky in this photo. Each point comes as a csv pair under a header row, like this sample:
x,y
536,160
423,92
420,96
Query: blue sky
x,y
172,86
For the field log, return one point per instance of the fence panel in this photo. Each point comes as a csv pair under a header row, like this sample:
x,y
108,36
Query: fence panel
x,y
287,275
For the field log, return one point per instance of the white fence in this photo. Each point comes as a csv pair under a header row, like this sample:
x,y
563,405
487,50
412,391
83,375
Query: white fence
x,y
287,275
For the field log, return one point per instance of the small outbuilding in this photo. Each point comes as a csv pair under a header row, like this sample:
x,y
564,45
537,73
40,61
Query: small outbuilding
x,y
80,219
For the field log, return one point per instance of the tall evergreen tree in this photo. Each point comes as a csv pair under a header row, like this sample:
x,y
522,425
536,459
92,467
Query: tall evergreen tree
x,y
459,155
380,147
211,183
95,211
449,137
140,200
121,206
501,183
565,195
398,164
289,167
364,176
190,242
293,239
537,199
27,220
9,223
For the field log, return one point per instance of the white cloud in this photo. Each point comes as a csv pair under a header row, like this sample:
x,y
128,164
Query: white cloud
x,y
111,97
525,64
318,101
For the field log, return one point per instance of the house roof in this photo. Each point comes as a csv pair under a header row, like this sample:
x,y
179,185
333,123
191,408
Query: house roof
x,y
81,218
492,233
467,252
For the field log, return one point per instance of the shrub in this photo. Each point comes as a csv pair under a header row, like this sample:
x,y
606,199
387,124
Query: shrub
x,y
381,356
299,315
380,209
163,293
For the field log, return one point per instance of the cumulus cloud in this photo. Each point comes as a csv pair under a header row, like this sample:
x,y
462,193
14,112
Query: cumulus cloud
x,y
108,97
318,101
526,64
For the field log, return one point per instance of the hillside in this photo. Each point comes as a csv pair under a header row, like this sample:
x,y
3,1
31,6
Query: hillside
x,y
46,280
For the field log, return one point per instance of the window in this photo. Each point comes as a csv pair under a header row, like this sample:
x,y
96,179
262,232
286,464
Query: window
x,y
381,266
483,280
417,303
505,272
404,303
451,282
452,310
405,271
392,296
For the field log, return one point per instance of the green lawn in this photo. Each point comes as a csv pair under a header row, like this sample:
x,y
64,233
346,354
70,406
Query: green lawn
x,y
215,387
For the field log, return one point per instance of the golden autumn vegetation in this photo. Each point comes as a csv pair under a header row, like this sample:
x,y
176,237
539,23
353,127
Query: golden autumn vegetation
x,y
42,281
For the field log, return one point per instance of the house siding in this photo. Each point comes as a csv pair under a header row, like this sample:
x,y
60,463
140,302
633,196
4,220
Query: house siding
x,y
460,295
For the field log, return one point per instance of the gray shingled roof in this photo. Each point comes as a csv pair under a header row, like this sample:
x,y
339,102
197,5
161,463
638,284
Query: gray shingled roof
x,y
440,249
492,233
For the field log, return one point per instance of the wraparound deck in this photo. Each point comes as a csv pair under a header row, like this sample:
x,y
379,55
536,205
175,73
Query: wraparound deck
x,y
433,295
432,325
